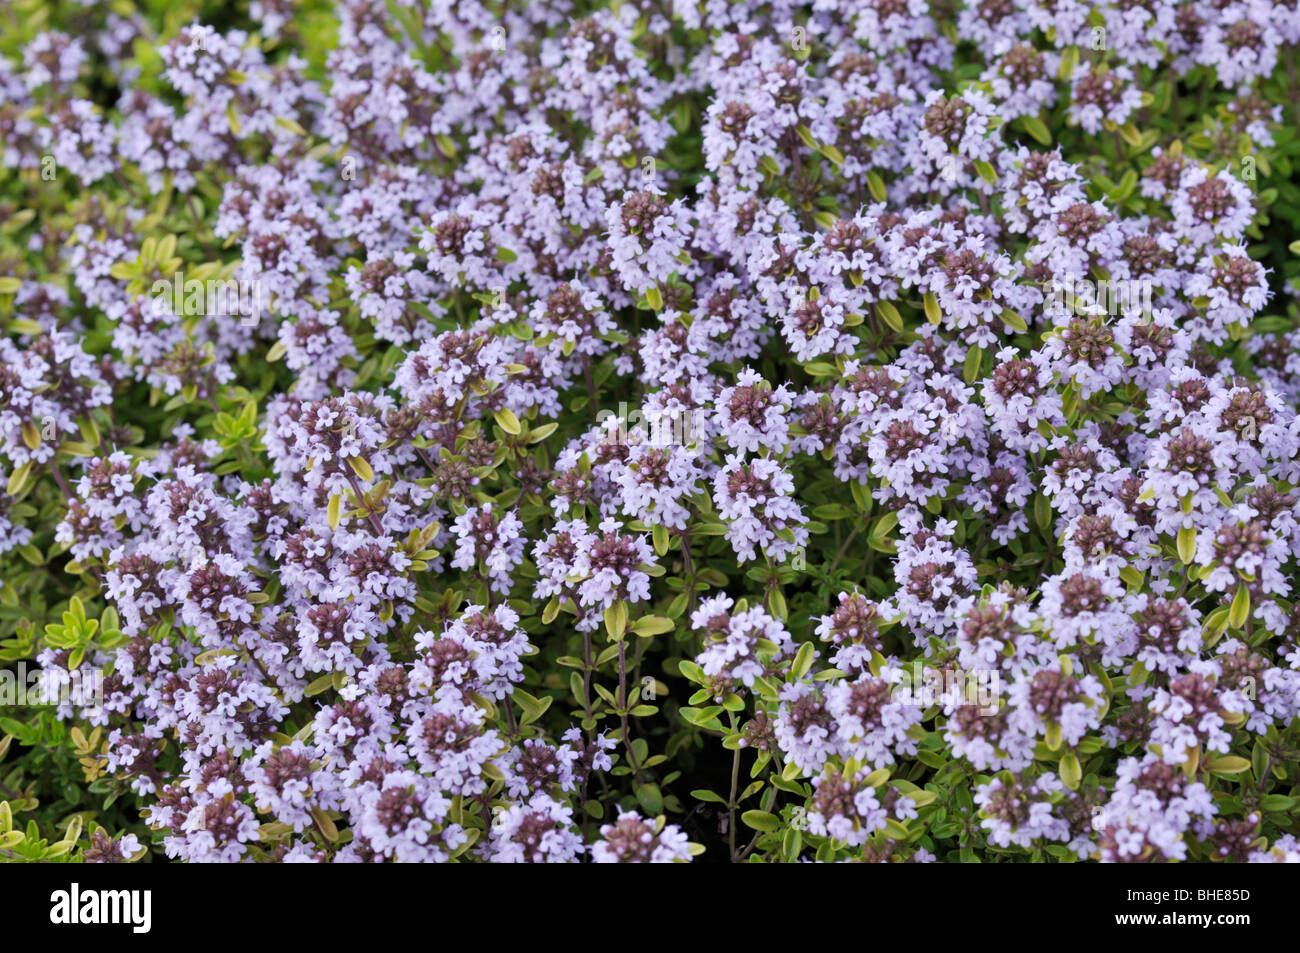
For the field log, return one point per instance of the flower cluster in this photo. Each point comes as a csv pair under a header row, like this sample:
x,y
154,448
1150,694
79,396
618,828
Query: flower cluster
x,y
479,431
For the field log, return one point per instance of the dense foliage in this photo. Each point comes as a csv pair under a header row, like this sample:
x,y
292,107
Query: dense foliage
x,y
553,431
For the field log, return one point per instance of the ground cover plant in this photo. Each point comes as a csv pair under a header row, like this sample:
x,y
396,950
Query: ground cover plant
x,y
553,432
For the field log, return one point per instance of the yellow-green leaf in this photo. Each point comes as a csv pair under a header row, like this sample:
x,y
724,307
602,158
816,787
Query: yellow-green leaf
x,y
508,421
361,467
653,625
1071,770
876,185
1014,321
932,312
1228,764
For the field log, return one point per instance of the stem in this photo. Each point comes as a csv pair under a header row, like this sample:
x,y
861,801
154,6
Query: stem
x,y
622,703
510,719
843,548
591,385
1291,75
1264,775
689,565
797,184
731,801
586,684
62,481
364,503
211,252
433,468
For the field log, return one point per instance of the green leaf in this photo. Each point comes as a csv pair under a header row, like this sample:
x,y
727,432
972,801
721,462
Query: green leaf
x,y
26,326
1069,60
896,831
507,420
761,821
932,312
891,316
833,154
24,733
876,778
1043,513
1239,612
832,511
1126,186
1071,771
922,798
876,185
1014,321
653,625
18,479
1228,764
878,538
776,603
361,467
292,125
1036,128
616,620
650,798
325,825
319,685
802,661
659,534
